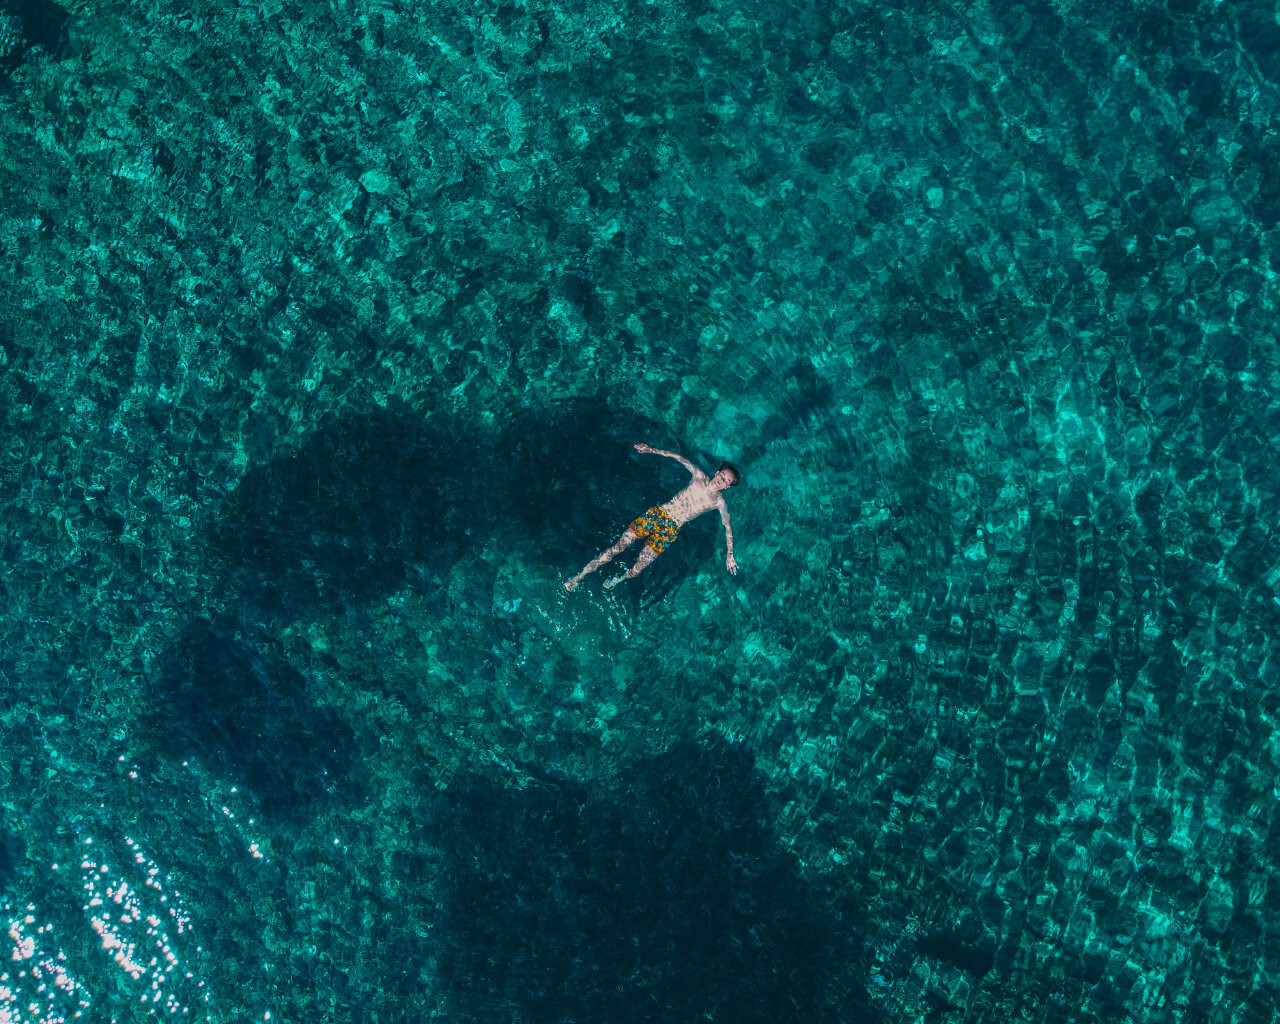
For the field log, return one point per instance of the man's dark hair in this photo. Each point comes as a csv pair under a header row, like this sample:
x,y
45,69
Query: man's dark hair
x,y
732,469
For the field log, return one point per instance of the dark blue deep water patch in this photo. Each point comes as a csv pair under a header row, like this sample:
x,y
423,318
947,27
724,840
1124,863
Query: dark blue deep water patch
x,y
664,897
568,470
28,23
12,850
246,717
971,948
341,520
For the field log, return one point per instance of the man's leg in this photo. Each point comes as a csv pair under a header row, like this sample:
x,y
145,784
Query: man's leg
x,y
646,556
624,542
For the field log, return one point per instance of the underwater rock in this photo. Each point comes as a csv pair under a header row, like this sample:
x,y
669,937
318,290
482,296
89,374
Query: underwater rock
x,y
12,850
25,24
245,717
666,898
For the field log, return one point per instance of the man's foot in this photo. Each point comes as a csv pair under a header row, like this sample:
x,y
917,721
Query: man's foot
x,y
570,584
610,584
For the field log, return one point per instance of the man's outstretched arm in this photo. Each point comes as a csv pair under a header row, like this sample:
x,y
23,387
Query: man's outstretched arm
x,y
729,562
671,455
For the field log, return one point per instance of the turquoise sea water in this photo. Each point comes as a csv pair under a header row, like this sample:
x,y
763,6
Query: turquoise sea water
x,y
326,331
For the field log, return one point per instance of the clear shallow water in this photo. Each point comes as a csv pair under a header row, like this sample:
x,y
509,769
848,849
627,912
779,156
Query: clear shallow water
x,y
327,335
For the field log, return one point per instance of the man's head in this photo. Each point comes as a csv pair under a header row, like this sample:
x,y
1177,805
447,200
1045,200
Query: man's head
x,y
726,476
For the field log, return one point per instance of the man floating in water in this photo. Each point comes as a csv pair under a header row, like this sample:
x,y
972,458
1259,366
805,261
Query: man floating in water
x,y
658,526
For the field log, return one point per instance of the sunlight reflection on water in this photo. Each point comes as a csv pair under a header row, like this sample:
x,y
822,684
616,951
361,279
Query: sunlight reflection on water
x,y
142,926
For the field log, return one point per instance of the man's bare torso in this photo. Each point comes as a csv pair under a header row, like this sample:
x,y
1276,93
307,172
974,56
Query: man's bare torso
x,y
698,497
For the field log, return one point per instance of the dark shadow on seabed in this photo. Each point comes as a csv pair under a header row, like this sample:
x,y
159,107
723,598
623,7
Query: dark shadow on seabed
x,y
339,521
368,497
246,717
664,897
36,23
12,850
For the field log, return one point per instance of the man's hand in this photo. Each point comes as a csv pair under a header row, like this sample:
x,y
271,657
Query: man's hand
x,y
643,448
731,565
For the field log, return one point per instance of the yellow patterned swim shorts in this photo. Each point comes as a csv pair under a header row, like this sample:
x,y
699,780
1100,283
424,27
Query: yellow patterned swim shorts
x,y
656,528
